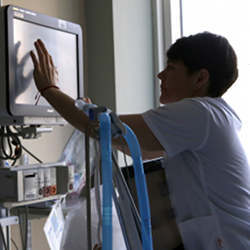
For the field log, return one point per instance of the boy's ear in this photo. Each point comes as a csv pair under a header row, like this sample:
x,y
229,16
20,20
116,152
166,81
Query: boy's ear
x,y
202,79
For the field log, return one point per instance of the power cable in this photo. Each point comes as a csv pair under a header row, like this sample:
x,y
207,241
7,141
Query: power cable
x,y
3,238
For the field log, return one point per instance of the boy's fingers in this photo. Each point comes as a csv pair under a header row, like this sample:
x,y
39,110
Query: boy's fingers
x,y
42,46
34,60
51,61
42,57
46,55
39,51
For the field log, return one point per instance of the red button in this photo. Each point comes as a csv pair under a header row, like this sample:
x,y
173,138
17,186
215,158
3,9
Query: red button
x,y
219,242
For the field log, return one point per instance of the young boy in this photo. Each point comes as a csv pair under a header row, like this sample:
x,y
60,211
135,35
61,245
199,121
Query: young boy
x,y
195,131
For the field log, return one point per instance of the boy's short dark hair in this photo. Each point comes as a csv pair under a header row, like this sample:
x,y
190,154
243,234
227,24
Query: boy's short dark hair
x,y
207,51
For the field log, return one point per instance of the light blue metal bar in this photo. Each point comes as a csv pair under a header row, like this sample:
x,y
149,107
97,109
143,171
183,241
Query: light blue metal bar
x,y
141,188
106,160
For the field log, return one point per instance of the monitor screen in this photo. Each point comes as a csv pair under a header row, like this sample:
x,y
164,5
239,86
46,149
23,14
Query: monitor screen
x,y
63,48
63,39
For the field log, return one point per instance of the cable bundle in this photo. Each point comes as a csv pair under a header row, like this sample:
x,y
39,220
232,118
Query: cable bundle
x,y
11,147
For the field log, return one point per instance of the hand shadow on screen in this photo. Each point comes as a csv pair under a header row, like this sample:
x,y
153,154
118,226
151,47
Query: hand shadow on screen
x,y
22,82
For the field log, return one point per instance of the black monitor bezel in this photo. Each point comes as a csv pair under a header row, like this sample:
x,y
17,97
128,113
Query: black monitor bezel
x,y
26,110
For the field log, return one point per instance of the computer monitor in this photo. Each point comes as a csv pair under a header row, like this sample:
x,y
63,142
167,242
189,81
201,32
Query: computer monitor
x,y
20,28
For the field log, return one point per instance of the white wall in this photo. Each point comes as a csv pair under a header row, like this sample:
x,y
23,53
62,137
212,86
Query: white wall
x,y
133,46
120,54
100,52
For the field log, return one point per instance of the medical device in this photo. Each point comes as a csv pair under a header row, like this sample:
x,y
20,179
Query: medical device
x,y
36,181
22,113
20,28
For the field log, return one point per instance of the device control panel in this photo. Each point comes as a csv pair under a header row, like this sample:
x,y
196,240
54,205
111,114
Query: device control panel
x,y
31,182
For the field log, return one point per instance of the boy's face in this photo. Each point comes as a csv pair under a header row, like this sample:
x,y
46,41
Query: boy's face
x,y
176,82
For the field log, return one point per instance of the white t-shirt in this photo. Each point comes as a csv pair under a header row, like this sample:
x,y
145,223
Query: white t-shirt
x,y
207,172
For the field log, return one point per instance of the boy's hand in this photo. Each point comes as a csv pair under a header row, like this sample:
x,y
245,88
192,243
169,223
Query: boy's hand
x,y
45,72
